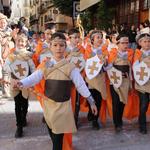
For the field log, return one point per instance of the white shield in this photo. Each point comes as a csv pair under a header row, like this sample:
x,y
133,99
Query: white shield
x,y
141,73
44,56
79,62
20,69
93,67
115,76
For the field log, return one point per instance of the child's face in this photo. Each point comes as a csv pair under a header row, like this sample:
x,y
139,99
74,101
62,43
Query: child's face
x,y
21,42
97,40
3,24
58,48
48,34
75,39
123,44
145,43
113,39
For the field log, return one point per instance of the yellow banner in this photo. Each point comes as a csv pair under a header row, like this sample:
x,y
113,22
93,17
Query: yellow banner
x,y
84,4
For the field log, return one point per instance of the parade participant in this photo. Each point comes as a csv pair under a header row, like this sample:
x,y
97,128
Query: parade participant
x,y
97,85
43,48
141,67
6,44
34,41
75,54
119,75
42,51
59,75
19,63
113,42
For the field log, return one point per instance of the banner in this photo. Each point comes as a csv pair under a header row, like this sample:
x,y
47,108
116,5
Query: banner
x,y
84,4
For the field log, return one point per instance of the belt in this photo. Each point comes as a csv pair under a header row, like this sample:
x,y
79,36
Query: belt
x,y
125,75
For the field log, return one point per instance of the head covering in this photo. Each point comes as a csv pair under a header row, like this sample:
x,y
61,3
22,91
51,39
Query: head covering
x,y
2,16
142,36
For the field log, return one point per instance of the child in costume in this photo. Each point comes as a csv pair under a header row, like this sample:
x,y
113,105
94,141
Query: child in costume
x,y
141,67
97,85
5,45
59,75
75,54
19,63
120,78
43,48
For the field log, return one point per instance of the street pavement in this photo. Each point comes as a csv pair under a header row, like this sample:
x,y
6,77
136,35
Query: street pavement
x,y
36,134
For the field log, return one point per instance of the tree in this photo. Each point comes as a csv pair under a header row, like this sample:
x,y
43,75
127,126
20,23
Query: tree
x,y
99,16
64,6
104,15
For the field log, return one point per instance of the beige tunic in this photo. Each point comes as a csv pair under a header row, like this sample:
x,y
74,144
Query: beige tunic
x,y
146,87
59,115
123,90
23,57
99,83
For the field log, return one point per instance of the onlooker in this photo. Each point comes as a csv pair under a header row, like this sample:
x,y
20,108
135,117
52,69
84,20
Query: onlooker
x,y
132,36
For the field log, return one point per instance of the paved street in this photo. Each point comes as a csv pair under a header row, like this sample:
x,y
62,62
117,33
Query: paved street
x,y
36,136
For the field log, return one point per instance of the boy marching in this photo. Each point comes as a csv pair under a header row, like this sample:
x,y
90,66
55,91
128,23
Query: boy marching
x,y
120,76
141,69
59,75
19,63
97,85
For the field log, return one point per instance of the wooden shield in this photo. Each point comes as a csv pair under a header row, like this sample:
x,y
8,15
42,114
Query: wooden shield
x,y
92,67
20,69
115,77
141,73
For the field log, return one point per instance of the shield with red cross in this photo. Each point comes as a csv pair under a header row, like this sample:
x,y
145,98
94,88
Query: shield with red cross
x,y
20,69
115,77
93,66
141,73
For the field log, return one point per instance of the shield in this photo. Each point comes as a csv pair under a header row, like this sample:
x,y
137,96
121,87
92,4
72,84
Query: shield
x,y
78,61
115,76
92,67
141,73
20,69
44,56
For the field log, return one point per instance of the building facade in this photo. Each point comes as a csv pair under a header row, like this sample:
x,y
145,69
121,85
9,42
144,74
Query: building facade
x,y
20,8
5,7
132,11
44,14
127,11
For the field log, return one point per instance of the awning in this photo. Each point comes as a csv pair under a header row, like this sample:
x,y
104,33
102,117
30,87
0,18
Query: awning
x,y
84,4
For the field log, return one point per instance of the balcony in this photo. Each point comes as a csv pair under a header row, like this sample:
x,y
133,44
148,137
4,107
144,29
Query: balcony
x,y
48,19
33,19
42,9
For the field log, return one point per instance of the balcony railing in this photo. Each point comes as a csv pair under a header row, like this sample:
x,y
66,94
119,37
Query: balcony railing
x,y
33,19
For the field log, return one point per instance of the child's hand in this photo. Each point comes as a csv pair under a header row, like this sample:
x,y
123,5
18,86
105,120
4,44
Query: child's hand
x,y
94,109
91,101
17,84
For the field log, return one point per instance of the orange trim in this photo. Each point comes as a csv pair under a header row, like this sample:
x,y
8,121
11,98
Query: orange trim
x,y
137,55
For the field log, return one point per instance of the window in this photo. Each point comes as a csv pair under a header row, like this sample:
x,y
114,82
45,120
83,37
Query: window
x,y
137,6
146,4
132,8
41,21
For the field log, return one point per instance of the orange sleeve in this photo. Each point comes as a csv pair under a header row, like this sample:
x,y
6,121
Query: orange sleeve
x,y
39,48
81,48
112,55
130,55
87,53
137,55
104,50
37,53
